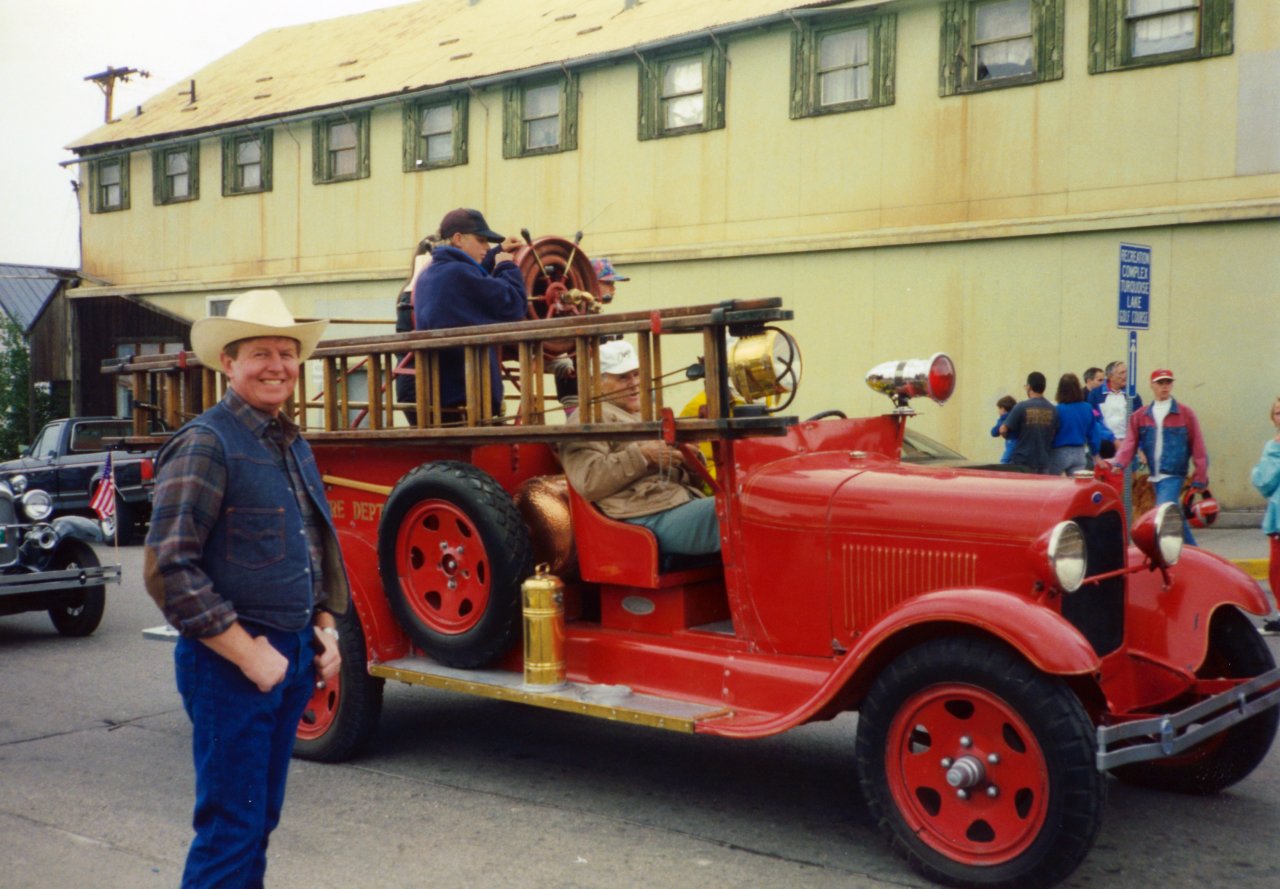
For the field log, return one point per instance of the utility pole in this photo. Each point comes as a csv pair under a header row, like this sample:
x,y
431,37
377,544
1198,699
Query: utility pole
x,y
106,81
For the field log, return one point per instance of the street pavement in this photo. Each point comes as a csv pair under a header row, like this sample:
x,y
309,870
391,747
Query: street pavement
x,y
95,791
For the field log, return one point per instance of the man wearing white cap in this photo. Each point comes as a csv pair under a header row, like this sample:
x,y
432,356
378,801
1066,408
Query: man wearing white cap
x,y
243,560
1169,435
641,482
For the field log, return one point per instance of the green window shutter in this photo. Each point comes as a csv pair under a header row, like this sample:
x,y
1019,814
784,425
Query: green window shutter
x,y
193,170
362,128
157,176
267,159
125,163
802,71
650,101
461,126
1102,36
953,55
512,128
411,114
717,75
569,112
1217,27
885,39
1047,28
228,165
319,151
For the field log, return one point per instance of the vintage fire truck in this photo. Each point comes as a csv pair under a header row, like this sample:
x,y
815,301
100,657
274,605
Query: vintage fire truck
x,y
1006,640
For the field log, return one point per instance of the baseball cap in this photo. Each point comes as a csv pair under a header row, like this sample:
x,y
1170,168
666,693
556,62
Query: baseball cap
x,y
617,357
605,270
1161,373
463,221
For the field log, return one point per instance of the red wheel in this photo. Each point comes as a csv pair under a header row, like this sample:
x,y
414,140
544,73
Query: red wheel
x,y
967,774
453,551
978,768
439,556
343,716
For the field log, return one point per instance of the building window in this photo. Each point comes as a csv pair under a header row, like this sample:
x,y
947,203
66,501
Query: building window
x,y
842,65
989,44
341,148
682,92
109,184
541,117
176,173
246,163
435,133
1136,33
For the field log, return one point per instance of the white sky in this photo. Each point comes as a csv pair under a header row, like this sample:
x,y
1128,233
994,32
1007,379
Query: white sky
x,y
47,47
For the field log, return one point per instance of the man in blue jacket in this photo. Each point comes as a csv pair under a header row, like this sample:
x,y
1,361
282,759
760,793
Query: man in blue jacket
x,y
469,284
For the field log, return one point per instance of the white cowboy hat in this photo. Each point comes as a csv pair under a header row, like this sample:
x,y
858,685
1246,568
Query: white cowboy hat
x,y
254,313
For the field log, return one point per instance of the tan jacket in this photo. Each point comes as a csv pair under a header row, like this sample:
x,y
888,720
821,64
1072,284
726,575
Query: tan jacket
x,y
616,477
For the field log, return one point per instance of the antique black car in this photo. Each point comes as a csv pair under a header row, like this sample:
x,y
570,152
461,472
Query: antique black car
x,y
47,564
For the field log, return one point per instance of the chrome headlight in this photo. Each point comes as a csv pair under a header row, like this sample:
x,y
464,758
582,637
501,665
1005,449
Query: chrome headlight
x,y
1158,533
18,483
1067,556
1060,557
37,504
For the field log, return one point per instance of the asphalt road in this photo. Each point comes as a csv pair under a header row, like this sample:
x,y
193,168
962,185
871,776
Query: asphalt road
x,y
95,792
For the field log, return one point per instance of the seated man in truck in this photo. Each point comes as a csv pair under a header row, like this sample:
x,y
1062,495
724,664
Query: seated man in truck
x,y
468,284
641,482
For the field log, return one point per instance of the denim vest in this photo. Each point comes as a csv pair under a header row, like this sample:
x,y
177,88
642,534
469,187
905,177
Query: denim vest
x,y
256,554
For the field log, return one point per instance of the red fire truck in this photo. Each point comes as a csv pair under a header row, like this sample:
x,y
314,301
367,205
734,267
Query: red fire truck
x,y
1005,639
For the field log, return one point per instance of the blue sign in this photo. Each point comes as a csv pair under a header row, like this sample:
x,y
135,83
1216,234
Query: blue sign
x,y
1135,288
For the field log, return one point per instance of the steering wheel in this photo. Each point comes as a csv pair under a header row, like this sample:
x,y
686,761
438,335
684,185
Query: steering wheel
x,y
693,462
838,414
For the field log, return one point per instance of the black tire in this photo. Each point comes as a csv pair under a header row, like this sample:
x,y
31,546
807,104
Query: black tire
x,y
1041,819
342,718
453,551
81,610
125,519
1236,651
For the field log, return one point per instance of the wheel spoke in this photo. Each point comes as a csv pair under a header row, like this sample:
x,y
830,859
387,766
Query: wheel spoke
x,y
999,806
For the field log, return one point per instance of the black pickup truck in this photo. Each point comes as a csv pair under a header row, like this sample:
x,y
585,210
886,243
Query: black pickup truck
x,y
66,461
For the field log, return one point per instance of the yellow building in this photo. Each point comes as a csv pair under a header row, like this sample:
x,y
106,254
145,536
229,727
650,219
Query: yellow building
x,y
912,176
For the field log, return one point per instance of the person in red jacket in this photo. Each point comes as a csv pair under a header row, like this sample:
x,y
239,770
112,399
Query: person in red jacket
x,y
1169,435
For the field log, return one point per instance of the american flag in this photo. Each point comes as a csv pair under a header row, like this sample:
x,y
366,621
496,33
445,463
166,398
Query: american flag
x,y
104,496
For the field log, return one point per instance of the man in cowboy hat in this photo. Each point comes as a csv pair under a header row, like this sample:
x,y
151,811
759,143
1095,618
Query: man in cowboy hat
x,y
243,560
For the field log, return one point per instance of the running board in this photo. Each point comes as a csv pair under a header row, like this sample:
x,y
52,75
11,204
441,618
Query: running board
x,y
614,702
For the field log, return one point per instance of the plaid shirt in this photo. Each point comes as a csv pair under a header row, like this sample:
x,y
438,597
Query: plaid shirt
x,y
188,502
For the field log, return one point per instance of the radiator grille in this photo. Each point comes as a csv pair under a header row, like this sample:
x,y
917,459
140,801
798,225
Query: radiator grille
x,y
1097,609
878,577
8,521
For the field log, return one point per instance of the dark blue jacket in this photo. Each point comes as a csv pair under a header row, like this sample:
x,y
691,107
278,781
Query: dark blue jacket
x,y
256,554
455,291
1099,395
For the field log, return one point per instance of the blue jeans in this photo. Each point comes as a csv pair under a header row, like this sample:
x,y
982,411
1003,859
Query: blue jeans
x,y
688,529
242,740
1169,490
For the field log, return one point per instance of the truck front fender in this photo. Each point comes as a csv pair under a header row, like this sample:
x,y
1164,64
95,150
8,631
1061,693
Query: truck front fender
x,y
1041,635
1171,625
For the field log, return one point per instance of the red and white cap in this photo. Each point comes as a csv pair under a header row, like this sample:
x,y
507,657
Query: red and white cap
x,y
1161,373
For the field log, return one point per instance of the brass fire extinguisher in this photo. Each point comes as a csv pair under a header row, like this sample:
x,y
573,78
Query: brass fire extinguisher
x,y
543,601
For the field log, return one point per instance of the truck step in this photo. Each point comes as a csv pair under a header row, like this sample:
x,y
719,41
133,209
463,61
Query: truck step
x,y
615,702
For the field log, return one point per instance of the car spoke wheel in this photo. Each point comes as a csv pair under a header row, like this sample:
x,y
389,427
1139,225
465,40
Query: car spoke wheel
x,y
439,556
978,768
342,717
81,610
453,551
967,774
